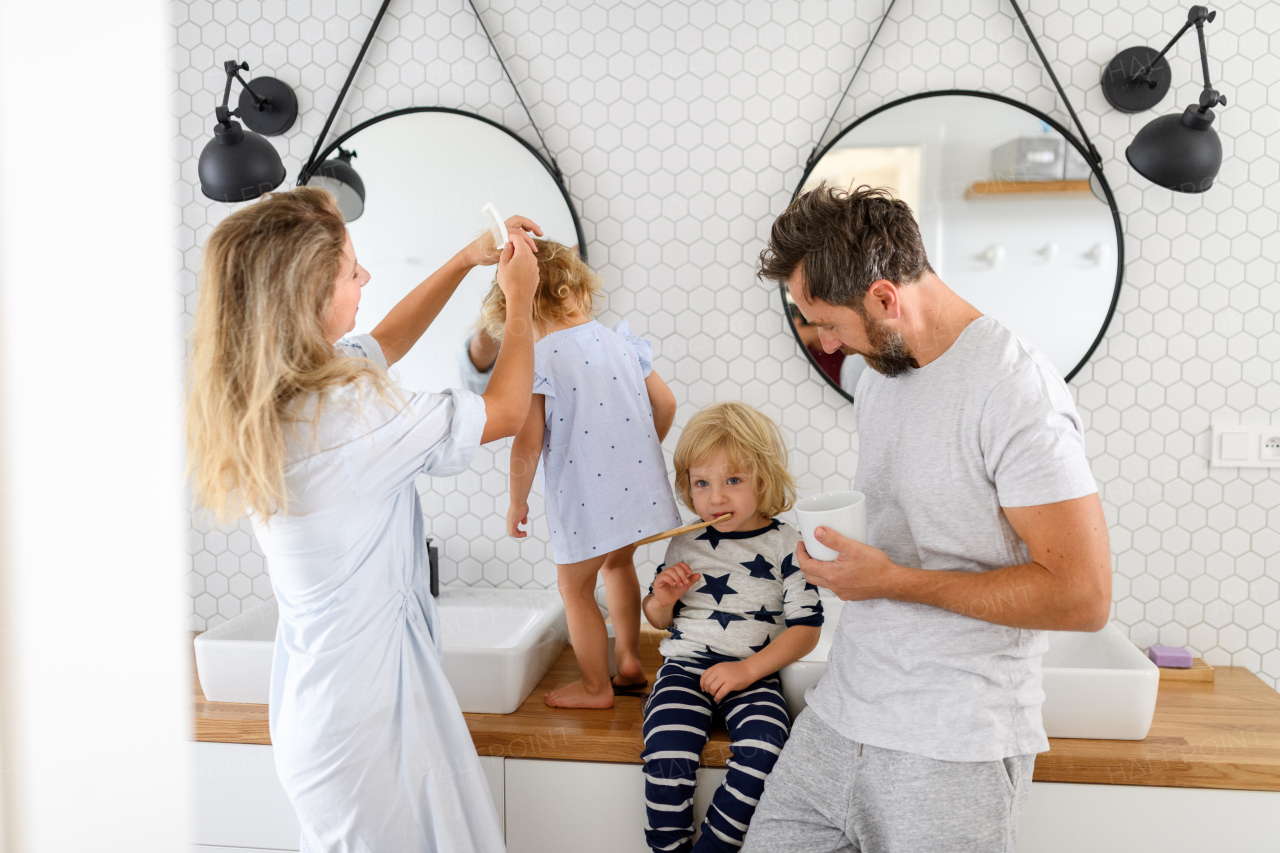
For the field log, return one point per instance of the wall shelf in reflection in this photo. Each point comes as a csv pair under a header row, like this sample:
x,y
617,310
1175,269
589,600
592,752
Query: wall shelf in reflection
x,y
980,189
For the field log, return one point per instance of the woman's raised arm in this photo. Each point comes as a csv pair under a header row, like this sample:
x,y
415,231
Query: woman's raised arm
x,y
405,323
506,399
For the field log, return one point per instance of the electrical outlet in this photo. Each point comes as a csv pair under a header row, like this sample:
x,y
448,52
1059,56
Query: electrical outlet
x,y
1245,446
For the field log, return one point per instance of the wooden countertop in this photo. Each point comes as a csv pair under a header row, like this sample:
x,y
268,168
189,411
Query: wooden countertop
x,y
1221,734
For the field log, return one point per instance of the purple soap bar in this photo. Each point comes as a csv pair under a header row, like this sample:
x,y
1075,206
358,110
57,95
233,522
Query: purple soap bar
x,y
1173,656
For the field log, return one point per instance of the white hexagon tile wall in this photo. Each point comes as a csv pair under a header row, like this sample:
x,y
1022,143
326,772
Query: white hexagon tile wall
x,y
682,127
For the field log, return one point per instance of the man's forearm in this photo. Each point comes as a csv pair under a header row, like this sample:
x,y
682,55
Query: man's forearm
x,y
1065,587
1023,596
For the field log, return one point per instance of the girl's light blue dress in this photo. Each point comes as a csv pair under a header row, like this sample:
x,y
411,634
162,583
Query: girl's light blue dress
x,y
369,742
604,477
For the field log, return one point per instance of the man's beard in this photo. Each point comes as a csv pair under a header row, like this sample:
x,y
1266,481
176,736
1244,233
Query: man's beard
x,y
890,356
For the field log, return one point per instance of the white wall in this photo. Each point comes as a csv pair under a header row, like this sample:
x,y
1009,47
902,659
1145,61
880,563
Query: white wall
x,y
683,127
94,688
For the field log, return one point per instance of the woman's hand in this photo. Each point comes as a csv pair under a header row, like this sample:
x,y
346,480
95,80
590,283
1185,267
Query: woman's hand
x,y
724,678
481,252
517,515
673,582
518,273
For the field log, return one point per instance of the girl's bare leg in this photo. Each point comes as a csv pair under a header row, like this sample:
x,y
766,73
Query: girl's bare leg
x,y
622,591
577,582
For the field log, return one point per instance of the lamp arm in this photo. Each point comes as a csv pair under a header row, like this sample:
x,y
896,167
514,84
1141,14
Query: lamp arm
x,y
258,100
1204,54
1197,16
1141,76
223,112
233,67
1210,97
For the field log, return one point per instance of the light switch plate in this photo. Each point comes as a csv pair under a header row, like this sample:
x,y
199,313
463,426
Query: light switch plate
x,y
1245,446
1234,446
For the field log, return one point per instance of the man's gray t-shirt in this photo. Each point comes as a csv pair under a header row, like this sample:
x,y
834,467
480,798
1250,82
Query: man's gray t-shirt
x,y
989,423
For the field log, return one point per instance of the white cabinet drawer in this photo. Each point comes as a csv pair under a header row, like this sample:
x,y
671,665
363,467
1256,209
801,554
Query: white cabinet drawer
x,y
581,806
239,802
1067,818
238,799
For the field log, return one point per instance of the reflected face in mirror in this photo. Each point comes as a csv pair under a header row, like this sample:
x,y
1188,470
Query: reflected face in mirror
x,y
844,329
1006,216
341,316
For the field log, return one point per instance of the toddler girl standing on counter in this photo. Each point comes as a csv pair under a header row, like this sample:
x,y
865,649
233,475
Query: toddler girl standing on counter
x,y
739,610
597,420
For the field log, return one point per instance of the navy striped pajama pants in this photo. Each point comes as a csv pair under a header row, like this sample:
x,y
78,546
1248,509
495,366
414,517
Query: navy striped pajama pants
x,y
677,722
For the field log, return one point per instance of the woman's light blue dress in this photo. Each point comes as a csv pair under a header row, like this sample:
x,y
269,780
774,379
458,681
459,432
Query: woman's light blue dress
x,y
604,478
370,744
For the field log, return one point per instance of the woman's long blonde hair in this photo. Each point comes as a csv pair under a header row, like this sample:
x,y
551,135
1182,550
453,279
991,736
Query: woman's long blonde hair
x,y
753,444
566,286
259,346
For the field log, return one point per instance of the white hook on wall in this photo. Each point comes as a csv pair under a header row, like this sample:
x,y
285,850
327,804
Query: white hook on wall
x,y
993,255
1098,254
1048,252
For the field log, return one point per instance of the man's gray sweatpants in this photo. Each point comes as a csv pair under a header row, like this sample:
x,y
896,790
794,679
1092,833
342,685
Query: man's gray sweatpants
x,y
828,793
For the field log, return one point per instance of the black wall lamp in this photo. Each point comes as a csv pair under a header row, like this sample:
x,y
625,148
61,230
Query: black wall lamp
x,y
239,164
339,177
1178,152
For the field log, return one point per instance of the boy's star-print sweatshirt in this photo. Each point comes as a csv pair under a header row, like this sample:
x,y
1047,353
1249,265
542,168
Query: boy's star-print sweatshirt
x,y
750,591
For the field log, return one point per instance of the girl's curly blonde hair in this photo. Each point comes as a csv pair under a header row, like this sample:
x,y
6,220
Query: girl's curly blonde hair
x,y
753,445
566,286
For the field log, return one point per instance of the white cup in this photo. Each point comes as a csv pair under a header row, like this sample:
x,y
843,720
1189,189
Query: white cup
x,y
843,512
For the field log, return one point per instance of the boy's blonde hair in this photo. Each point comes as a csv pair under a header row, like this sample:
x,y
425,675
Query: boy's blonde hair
x,y
753,445
566,286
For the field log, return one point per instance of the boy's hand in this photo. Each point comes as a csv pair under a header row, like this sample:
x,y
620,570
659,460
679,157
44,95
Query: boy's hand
x,y
517,515
724,678
481,252
673,582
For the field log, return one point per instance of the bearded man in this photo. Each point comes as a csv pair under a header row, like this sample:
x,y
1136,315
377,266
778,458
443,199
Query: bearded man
x,y
984,529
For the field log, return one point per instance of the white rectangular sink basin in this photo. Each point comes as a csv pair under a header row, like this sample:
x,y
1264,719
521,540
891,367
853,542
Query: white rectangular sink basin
x,y
498,643
1096,685
798,677
233,660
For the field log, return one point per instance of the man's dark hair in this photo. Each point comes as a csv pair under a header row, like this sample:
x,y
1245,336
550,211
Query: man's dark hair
x,y
845,241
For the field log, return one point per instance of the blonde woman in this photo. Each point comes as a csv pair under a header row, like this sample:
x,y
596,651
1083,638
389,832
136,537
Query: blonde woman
x,y
300,427
597,421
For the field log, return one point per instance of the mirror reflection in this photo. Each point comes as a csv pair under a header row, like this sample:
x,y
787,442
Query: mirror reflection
x,y
1008,217
426,176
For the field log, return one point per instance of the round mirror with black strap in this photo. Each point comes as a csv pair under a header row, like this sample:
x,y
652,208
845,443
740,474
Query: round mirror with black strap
x,y
425,174
1016,217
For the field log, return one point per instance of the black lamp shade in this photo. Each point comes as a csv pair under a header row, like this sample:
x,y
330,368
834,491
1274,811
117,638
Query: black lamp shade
x,y
1181,153
238,165
339,177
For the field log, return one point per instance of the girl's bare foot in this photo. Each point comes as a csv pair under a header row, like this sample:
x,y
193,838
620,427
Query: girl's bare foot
x,y
630,673
576,695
